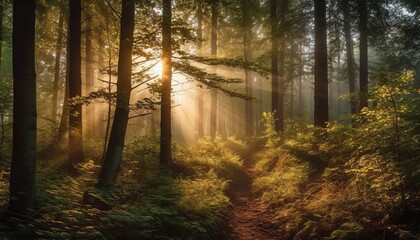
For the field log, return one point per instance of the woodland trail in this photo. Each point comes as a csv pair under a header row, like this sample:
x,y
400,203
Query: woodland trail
x,y
249,218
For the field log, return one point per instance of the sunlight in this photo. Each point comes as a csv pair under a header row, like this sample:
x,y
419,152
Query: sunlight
x,y
156,70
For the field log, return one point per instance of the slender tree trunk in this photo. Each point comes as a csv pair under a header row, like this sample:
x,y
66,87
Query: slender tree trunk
x,y
363,21
275,91
321,65
213,102
89,82
112,161
200,92
75,87
1,31
282,60
351,73
22,173
247,35
57,66
165,123
109,88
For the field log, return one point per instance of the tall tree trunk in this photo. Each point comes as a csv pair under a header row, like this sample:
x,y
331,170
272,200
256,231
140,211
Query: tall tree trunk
x,y
112,161
247,35
165,122
64,121
89,82
213,102
282,61
275,91
1,30
351,73
22,173
321,65
75,87
200,92
363,21
57,65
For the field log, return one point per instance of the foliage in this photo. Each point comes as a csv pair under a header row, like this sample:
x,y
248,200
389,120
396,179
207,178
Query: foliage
x,y
348,181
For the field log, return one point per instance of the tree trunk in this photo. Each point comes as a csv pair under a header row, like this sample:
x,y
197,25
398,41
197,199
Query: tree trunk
x,y
22,173
275,91
64,121
200,92
321,65
213,102
57,65
89,82
112,161
75,87
1,31
351,73
165,123
363,21
247,35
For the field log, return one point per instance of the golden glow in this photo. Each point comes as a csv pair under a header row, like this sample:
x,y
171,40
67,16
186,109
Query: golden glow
x,y
156,69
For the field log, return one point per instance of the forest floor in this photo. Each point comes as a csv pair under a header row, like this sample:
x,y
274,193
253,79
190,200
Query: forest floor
x,y
249,219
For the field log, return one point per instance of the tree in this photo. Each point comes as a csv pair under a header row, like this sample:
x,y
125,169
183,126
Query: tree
x,y
89,83
22,173
112,160
321,65
57,65
200,93
213,52
165,123
363,21
275,91
75,87
247,35
351,68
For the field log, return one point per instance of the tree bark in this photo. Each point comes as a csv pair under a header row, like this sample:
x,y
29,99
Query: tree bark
x,y
89,82
22,173
112,160
363,21
57,66
247,35
351,73
75,87
321,65
275,91
213,102
200,92
1,31
165,123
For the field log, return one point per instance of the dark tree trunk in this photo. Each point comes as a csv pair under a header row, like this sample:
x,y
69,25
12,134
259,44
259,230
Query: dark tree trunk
x,y
200,92
275,91
321,65
213,102
22,173
247,35
112,160
1,30
165,122
89,84
363,21
57,66
75,87
351,73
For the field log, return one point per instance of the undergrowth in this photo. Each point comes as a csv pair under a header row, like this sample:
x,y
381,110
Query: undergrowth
x,y
357,181
148,201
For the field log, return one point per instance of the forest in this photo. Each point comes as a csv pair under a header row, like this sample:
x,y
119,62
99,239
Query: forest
x,y
210,119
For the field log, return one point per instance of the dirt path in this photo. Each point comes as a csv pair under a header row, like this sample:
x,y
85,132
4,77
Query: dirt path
x,y
249,219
